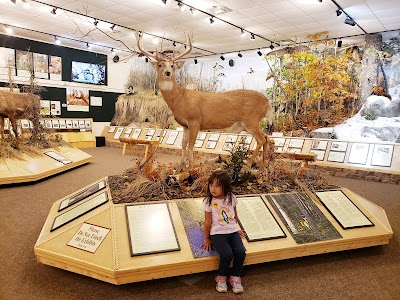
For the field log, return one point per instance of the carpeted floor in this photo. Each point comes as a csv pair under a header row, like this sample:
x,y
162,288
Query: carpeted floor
x,y
368,273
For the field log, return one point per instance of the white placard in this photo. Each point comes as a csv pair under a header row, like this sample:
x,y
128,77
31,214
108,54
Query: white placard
x,y
63,124
201,136
320,154
319,145
214,137
279,142
382,155
296,143
231,138
172,137
245,139
150,229
56,123
69,123
339,146
336,156
211,144
118,133
111,129
358,153
198,143
88,237
128,132
228,146
343,209
136,133
75,124
81,124
96,101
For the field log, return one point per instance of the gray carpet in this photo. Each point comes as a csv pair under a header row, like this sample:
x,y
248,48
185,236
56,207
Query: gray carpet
x,y
368,273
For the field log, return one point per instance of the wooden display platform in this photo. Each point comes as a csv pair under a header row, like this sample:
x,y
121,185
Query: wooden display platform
x,y
112,261
36,168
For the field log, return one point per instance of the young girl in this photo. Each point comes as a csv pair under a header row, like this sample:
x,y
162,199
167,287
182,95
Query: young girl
x,y
222,232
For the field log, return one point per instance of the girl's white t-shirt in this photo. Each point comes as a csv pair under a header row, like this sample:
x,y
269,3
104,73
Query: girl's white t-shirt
x,y
222,215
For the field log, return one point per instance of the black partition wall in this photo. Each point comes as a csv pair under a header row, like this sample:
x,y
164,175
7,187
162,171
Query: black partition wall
x,y
102,113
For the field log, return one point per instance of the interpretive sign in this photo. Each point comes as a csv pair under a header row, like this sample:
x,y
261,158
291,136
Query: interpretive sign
x,y
336,156
201,136
111,129
118,133
228,146
319,145
245,139
382,155
198,143
231,138
136,133
214,137
358,153
58,157
256,219
279,142
296,143
127,132
305,221
320,153
193,217
172,137
345,212
150,229
88,237
79,210
211,144
82,194
339,146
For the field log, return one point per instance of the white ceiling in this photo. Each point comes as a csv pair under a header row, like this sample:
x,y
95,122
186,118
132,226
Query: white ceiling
x,y
274,20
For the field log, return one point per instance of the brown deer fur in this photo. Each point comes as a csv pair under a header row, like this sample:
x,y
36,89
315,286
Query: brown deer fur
x,y
15,106
195,111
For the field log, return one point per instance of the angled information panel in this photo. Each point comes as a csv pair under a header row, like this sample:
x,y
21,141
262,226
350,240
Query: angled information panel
x,y
150,229
343,210
257,220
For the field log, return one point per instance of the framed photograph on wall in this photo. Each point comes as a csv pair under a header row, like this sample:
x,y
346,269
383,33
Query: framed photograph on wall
x,y
345,212
77,99
382,155
55,67
24,61
150,229
358,153
41,65
7,60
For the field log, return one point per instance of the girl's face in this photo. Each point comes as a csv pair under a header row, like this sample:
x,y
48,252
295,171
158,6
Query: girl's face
x,y
216,189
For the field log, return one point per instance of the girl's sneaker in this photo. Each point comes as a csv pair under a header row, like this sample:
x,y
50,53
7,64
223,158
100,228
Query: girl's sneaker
x,y
236,283
221,287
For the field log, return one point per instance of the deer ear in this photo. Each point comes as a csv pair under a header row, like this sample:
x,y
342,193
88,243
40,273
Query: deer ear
x,y
179,64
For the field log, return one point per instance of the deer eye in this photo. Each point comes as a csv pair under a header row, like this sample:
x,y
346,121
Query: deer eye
x,y
172,66
159,65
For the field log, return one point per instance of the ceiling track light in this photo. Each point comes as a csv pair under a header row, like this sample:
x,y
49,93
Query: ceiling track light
x,y
14,1
242,32
181,6
212,20
88,46
240,54
252,37
339,43
112,51
112,27
8,29
174,44
193,11
164,2
271,47
146,59
319,1
57,41
338,12
222,57
259,52
195,61
95,22
349,21
54,11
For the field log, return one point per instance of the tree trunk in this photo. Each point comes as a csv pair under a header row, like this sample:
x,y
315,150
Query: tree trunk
x,y
370,66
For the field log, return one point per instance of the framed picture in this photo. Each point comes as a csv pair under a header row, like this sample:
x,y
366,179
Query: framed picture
x,y
82,194
320,154
198,143
345,212
319,145
336,156
41,65
55,67
172,137
279,142
136,133
231,138
211,144
58,157
382,155
339,146
214,137
256,219
24,61
150,229
118,133
201,136
358,153
79,210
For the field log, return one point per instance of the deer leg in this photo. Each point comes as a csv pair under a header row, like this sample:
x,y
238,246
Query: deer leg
x,y
194,130
185,141
2,127
261,141
14,126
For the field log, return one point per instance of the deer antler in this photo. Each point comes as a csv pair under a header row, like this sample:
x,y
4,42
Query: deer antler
x,y
139,43
188,48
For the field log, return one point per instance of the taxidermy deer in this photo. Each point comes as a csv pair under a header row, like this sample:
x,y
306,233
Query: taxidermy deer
x,y
195,110
16,106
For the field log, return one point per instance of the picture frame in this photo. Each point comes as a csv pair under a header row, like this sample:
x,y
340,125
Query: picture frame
x,y
79,210
146,238
382,155
343,210
358,153
257,220
87,192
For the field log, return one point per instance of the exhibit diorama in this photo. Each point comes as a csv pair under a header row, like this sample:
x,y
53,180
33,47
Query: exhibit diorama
x,y
113,115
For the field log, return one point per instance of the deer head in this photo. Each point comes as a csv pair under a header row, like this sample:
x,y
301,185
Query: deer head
x,y
165,66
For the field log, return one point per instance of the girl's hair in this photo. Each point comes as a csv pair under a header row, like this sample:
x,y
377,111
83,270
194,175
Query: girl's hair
x,y
224,180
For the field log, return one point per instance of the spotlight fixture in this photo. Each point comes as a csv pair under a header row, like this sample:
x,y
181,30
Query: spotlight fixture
x,y
112,27
195,61
222,57
252,37
95,22
8,29
259,52
193,11
320,1
164,2
181,6
14,1
338,12
240,54
212,20
242,32
339,43
349,21
57,41
271,47
174,44
112,51
88,46
54,11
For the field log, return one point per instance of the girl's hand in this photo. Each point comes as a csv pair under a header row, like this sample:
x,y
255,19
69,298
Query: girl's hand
x,y
207,244
242,233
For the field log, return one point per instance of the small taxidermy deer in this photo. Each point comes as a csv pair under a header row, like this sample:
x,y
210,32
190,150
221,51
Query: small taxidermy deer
x,y
195,110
